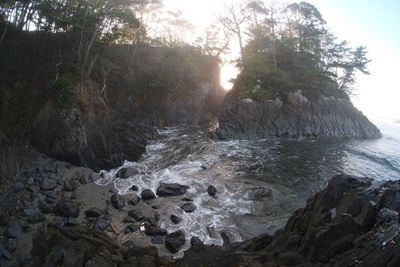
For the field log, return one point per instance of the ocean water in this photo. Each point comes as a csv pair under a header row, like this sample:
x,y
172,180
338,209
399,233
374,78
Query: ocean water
x,y
260,183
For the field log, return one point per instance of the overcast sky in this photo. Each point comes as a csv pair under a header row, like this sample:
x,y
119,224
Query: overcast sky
x,y
371,23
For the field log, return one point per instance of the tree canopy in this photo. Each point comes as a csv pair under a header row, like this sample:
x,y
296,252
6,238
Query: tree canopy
x,y
289,47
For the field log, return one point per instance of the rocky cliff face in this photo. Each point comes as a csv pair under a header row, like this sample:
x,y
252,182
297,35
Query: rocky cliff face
x,y
293,117
88,135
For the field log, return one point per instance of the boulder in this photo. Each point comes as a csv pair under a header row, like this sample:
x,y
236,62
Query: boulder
x,y
67,208
175,219
188,207
127,172
175,241
166,190
147,194
93,213
212,191
48,184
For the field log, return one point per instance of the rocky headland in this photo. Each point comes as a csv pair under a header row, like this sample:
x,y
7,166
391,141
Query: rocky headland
x,y
292,116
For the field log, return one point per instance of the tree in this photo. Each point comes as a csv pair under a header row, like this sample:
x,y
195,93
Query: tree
x,y
215,41
236,16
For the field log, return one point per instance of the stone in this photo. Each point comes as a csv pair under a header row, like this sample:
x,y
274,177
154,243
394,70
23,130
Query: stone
x,y
67,208
212,191
48,184
174,189
138,215
147,194
131,228
175,241
70,185
134,199
154,230
93,213
4,252
134,188
117,201
195,241
127,172
102,223
36,217
175,219
86,179
34,187
188,207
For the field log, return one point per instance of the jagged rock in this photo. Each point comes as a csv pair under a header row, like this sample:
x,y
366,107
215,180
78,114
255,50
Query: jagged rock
x,y
188,207
174,189
211,190
175,241
67,208
127,172
134,199
147,194
175,219
298,117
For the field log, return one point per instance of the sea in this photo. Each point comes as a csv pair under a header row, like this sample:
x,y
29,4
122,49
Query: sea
x,y
260,183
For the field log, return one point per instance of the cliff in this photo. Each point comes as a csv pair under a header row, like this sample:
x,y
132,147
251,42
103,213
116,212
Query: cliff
x,y
292,116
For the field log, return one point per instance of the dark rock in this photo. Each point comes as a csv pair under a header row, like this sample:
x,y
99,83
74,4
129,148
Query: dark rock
x,y
134,188
102,223
131,228
138,215
70,185
155,207
67,208
147,194
11,245
117,201
157,240
187,199
175,219
48,184
188,207
127,172
212,191
93,213
175,241
134,199
52,194
195,241
154,230
174,189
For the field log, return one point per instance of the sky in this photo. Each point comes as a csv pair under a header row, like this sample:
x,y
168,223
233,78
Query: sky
x,y
371,23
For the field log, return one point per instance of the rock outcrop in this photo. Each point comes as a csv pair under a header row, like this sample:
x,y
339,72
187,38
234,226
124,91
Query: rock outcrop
x,y
294,117
89,136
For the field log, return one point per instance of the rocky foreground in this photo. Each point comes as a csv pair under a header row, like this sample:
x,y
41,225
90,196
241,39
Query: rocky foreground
x,y
52,214
293,117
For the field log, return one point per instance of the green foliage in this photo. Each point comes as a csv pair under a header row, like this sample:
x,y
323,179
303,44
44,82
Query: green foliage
x,y
64,88
296,53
